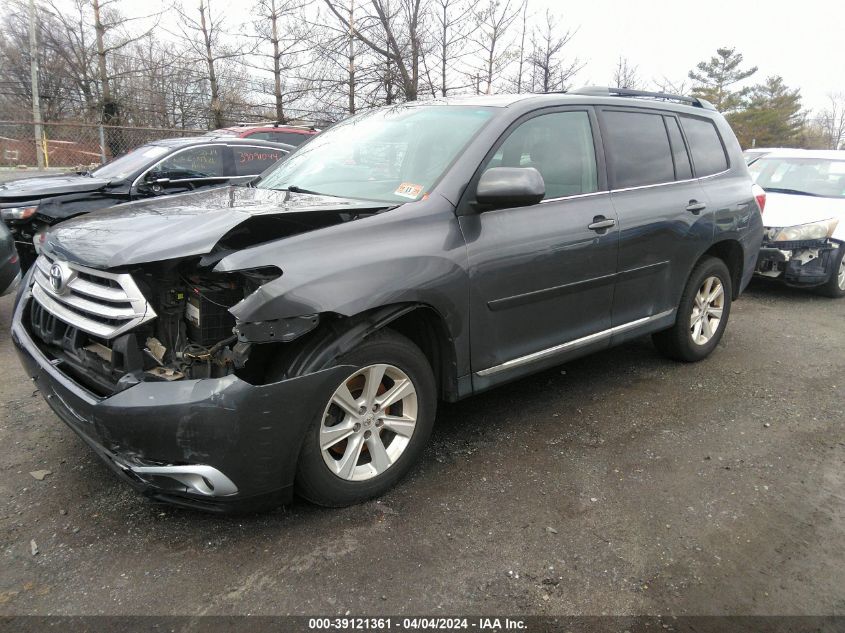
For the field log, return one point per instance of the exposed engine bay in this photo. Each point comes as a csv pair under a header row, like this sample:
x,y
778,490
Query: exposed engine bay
x,y
168,320
192,335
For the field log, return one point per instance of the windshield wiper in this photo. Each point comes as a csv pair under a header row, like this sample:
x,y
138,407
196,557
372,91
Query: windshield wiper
x,y
295,189
796,192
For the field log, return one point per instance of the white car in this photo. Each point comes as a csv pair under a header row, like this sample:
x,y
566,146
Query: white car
x,y
750,155
804,240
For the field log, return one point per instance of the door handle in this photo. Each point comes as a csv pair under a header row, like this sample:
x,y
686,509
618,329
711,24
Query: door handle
x,y
695,207
601,224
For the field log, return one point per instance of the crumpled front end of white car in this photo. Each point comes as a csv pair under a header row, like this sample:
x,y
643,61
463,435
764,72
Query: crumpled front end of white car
x,y
801,255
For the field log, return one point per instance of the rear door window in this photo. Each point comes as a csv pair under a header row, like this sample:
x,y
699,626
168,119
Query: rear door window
x,y
638,149
251,161
708,152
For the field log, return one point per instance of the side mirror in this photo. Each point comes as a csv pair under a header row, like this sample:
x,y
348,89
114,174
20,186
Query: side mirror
x,y
504,187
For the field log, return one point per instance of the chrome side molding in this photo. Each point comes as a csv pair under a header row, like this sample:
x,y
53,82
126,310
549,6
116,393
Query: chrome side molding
x,y
570,345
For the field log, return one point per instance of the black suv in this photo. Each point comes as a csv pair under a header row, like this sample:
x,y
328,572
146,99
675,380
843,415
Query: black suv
x,y
222,349
30,205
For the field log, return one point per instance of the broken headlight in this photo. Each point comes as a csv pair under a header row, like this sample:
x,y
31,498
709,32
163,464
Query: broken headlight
x,y
811,231
17,214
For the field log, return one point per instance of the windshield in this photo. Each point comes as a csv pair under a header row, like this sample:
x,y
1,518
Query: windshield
x,y
392,154
800,176
126,165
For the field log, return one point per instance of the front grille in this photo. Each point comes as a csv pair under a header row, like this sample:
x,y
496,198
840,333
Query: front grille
x,y
102,304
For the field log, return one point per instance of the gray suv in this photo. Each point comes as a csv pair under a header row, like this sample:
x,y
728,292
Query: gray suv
x,y
223,349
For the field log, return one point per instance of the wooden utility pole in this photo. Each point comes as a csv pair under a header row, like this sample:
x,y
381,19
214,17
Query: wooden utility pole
x,y
36,97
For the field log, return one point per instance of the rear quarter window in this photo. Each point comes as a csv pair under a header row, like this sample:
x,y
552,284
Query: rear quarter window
x,y
683,169
639,151
708,152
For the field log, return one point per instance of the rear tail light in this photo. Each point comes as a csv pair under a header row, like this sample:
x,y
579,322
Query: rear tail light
x,y
759,195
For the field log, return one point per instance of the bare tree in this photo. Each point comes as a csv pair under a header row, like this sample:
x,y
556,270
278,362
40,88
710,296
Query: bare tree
x,y
68,34
394,35
61,95
205,34
492,23
831,120
350,57
111,35
281,37
451,19
626,75
671,87
548,41
522,46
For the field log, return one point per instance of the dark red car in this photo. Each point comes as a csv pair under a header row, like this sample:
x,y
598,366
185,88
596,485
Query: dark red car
x,y
277,132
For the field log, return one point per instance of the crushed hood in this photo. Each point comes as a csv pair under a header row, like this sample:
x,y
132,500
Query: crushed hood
x,y
182,225
783,209
46,186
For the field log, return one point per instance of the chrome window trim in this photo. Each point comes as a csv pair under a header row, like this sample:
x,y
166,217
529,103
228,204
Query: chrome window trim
x,y
574,344
575,196
671,182
623,189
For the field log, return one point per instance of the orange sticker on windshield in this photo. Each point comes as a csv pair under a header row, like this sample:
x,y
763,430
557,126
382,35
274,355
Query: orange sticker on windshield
x,y
408,190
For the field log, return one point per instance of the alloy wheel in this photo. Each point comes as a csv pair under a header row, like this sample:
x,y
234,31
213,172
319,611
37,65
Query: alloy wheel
x,y
368,422
707,310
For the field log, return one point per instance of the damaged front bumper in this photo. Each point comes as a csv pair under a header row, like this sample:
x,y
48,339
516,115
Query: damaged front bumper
x,y
215,444
805,263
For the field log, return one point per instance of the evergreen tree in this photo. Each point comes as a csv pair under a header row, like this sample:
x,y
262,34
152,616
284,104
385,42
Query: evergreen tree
x,y
714,79
772,116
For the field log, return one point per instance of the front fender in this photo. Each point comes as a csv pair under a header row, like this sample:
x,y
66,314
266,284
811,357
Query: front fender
x,y
414,254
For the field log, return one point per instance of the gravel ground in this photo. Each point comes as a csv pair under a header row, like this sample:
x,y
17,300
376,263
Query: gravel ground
x,y
621,483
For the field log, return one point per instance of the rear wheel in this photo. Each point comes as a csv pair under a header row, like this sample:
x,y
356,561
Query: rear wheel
x,y
373,427
702,313
835,286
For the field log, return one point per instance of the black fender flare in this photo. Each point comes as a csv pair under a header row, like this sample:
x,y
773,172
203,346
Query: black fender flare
x,y
337,337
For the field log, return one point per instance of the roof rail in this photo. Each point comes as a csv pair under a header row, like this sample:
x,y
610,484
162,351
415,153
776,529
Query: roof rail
x,y
273,124
605,91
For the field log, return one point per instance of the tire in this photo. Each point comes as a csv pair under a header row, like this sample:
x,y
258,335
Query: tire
x,y
682,341
835,286
323,476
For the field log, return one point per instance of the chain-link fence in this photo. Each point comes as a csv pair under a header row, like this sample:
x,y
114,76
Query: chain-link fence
x,y
74,144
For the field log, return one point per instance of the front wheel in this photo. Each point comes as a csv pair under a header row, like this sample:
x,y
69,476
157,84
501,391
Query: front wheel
x,y
702,313
373,427
835,286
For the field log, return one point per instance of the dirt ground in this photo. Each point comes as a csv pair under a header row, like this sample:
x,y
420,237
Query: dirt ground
x,y
622,483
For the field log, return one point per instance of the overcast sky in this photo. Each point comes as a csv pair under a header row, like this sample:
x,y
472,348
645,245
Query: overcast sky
x,y
804,41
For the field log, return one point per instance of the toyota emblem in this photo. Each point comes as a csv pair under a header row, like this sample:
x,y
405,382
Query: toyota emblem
x,y
57,278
